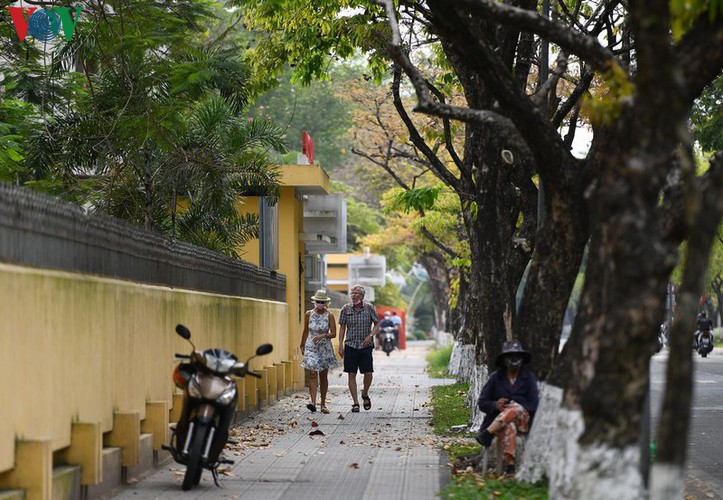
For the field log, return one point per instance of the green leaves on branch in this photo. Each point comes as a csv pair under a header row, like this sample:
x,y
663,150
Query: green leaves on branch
x,y
416,199
308,37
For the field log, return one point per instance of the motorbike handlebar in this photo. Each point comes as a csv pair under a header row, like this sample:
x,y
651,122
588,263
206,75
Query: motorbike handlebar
x,y
183,356
254,374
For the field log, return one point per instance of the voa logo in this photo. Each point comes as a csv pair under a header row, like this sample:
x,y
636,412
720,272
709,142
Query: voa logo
x,y
44,24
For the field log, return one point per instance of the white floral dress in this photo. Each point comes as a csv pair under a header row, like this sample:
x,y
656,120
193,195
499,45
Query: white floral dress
x,y
320,356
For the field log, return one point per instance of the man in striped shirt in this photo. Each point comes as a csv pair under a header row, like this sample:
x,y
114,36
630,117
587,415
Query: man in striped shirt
x,y
359,324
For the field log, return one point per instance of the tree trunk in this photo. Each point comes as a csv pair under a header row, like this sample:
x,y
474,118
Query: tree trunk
x,y
439,287
555,263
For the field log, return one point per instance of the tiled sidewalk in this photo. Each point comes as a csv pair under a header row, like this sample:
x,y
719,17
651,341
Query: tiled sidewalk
x,y
388,452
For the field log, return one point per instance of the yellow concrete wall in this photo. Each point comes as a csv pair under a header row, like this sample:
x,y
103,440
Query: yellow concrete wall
x,y
291,223
78,348
250,250
304,176
337,268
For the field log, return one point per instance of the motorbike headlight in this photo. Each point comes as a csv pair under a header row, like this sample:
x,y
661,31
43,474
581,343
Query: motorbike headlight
x,y
227,396
194,389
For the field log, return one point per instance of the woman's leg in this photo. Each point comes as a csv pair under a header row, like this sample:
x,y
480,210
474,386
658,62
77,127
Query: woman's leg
x,y
323,385
312,386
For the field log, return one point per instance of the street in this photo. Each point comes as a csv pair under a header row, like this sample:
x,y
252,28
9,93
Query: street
x,y
705,474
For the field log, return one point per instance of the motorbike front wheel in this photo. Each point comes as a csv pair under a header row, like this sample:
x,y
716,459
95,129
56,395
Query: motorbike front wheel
x,y
194,467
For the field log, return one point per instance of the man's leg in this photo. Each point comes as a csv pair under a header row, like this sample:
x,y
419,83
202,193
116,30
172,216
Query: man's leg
x,y
352,387
367,383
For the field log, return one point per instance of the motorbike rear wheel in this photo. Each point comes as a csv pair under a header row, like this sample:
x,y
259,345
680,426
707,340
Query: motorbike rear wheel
x,y
194,467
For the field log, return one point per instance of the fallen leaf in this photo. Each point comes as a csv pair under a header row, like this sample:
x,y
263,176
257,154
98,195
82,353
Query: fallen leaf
x,y
354,465
340,417
317,432
342,442
314,423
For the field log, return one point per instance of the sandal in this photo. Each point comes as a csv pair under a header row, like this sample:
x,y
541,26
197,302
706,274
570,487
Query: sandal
x,y
311,408
367,402
355,408
324,410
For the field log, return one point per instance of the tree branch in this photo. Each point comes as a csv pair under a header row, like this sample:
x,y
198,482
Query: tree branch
x,y
699,54
586,47
437,166
447,128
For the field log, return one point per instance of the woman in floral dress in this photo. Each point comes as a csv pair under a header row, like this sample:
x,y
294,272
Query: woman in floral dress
x,y
319,356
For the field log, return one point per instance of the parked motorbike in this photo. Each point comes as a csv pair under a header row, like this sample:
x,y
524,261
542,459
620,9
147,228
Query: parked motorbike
x,y
388,339
209,403
705,343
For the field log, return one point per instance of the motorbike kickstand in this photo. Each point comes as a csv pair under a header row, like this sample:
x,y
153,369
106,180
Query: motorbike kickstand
x,y
214,473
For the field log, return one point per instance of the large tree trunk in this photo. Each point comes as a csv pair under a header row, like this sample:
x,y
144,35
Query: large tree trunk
x,y
554,268
439,287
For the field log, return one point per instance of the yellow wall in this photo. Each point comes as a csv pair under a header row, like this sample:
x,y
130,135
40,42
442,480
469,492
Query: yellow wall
x,y
337,268
77,348
250,250
304,176
291,250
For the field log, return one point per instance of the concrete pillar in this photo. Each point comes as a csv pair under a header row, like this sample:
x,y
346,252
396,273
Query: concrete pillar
x,y
156,423
33,470
175,413
86,450
126,435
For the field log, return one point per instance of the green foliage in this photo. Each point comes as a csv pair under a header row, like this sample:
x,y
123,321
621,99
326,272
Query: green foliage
x,y
151,129
388,295
448,402
289,31
685,12
315,109
416,198
707,117
438,362
361,219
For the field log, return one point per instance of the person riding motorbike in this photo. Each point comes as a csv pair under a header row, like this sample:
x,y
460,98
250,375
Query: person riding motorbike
x,y
703,325
387,321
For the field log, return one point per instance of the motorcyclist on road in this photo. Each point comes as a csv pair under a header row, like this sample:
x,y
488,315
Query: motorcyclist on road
x,y
703,325
387,321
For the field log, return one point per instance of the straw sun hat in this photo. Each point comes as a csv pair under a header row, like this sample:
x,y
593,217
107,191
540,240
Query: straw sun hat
x,y
320,296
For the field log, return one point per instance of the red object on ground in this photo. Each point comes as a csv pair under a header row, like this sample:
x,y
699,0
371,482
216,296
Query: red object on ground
x,y
402,328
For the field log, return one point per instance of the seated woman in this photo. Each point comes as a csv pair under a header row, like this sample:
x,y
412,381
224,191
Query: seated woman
x,y
509,400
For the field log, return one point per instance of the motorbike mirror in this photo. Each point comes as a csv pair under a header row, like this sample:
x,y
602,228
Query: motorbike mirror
x,y
264,349
183,331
